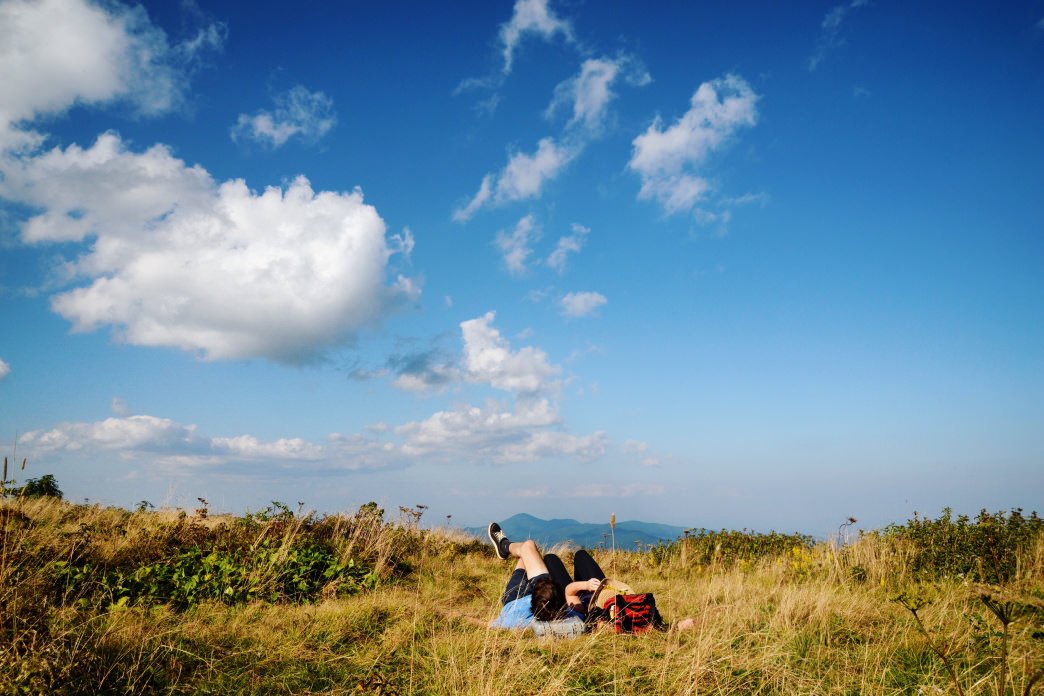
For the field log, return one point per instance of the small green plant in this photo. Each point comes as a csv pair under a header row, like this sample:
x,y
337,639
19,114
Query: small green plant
x,y
913,601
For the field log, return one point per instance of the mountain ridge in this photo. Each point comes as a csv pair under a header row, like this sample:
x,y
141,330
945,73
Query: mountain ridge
x,y
560,530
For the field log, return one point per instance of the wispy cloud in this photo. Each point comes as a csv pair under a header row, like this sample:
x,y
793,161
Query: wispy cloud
x,y
298,113
581,304
522,178
830,37
530,18
515,246
588,94
667,159
571,244
5,369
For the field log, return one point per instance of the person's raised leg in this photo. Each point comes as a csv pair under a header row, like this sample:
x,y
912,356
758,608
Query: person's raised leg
x,y
558,570
585,567
526,551
530,557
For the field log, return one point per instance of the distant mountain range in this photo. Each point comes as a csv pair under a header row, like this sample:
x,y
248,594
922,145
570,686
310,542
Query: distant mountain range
x,y
563,531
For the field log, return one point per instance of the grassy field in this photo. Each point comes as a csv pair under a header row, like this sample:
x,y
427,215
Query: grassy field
x,y
103,600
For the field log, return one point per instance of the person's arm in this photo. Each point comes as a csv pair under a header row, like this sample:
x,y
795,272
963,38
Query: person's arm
x,y
573,590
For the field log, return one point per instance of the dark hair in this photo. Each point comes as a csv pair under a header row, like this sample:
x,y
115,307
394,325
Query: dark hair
x,y
548,599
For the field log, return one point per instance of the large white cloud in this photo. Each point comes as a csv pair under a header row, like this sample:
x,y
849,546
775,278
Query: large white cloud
x,y
57,53
299,113
530,17
488,359
178,260
174,258
667,158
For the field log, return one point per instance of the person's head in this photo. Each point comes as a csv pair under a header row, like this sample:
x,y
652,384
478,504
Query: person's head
x,y
548,599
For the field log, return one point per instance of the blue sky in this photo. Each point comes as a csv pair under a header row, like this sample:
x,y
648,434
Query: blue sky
x,y
711,264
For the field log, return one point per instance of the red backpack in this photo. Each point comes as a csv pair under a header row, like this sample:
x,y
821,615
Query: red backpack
x,y
633,613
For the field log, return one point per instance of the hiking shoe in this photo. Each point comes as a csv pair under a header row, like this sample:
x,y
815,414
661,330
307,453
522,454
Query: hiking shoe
x,y
500,541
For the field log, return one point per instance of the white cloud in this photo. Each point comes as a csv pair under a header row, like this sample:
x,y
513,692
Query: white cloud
x,y
558,259
588,95
488,358
676,192
249,447
178,260
514,246
530,17
298,113
58,53
666,157
523,177
5,369
152,442
581,304
478,200
495,434
530,432
589,92
830,32
143,433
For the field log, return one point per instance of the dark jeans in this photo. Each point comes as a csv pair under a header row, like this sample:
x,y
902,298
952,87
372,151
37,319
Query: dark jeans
x,y
519,585
584,568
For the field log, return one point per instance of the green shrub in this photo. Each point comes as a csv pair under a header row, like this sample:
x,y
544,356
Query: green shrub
x,y
986,549
46,485
729,547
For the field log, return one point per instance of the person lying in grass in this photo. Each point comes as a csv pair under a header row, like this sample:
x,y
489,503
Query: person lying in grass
x,y
539,589
540,593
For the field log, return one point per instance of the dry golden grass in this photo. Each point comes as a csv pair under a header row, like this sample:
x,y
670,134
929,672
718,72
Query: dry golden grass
x,y
799,623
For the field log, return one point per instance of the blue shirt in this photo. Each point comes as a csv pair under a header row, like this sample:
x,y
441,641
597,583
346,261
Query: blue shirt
x,y
518,613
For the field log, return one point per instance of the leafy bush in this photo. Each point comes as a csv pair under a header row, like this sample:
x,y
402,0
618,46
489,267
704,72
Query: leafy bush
x,y
303,572
986,549
46,485
729,547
